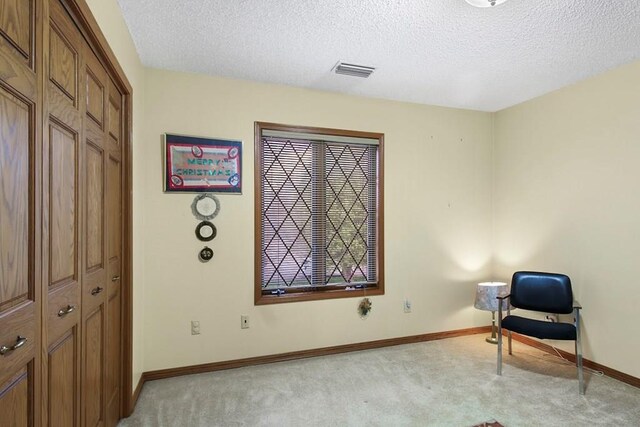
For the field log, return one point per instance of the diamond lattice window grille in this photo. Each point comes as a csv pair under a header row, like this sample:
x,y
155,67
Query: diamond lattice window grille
x,y
286,213
318,214
347,212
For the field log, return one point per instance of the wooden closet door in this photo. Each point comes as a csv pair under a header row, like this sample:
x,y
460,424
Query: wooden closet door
x,y
62,217
20,133
95,283
61,225
114,253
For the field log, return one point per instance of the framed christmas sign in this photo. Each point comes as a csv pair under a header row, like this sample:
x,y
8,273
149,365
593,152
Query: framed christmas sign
x,y
202,165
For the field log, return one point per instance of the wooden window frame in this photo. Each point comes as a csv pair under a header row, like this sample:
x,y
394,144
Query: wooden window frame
x,y
325,292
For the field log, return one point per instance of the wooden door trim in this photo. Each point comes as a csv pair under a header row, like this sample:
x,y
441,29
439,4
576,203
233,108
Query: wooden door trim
x,y
81,14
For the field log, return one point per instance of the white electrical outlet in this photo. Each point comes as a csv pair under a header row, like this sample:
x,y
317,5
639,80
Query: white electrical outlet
x,y
244,322
407,305
195,327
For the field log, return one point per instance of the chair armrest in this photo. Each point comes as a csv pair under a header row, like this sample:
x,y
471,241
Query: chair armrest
x,y
576,304
501,299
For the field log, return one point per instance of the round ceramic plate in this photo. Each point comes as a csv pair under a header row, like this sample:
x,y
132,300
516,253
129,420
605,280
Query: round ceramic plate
x,y
206,231
205,207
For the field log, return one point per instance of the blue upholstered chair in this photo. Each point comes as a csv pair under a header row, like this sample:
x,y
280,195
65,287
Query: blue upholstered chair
x,y
547,293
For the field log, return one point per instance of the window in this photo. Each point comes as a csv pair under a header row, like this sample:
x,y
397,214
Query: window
x,y
319,230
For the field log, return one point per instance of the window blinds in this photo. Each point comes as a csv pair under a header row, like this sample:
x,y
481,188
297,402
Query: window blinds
x,y
319,211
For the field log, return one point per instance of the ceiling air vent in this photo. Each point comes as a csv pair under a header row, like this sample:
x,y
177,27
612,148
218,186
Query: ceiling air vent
x,y
353,70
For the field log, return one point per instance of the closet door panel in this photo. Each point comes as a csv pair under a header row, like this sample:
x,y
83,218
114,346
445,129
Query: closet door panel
x,y
17,28
61,222
15,174
64,64
63,181
95,97
93,238
18,340
19,297
16,399
63,381
113,358
94,190
115,115
15,24
95,286
114,252
63,204
114,188
64,311
94,368
114,222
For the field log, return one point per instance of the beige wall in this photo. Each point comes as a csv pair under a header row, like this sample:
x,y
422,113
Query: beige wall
x,y
566,199
109,17
562,198
437,223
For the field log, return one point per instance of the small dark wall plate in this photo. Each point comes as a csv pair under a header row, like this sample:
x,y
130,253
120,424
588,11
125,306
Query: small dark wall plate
x,y
206,231
205,254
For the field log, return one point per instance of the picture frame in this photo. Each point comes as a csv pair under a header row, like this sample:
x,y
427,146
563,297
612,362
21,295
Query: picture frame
x,y
202,165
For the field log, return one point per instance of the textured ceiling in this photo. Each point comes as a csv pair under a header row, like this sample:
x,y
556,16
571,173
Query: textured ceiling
x,y
439,52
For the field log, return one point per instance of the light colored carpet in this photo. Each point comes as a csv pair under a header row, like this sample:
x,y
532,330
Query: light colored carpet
x,y
449,382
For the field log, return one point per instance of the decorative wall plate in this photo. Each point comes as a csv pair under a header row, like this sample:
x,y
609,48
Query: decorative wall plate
x,y
205,207
205,254
206,231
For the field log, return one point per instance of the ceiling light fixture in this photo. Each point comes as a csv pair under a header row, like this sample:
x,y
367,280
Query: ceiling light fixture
x,y
485,3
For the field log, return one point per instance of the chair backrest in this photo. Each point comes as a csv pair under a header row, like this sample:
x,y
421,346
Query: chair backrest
x,y
547,292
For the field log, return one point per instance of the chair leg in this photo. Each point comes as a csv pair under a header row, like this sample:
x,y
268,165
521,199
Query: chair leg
x,y
509,339
499,336
579,353
499,348
580,374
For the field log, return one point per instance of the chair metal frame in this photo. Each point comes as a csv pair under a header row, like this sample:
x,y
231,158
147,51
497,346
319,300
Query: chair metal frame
x,y
578,343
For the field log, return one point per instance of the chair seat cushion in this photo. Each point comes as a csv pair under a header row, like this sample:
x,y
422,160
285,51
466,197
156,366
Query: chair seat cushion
x,y
539,328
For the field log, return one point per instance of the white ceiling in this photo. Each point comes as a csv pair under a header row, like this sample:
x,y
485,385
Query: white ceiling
x,y
439,52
